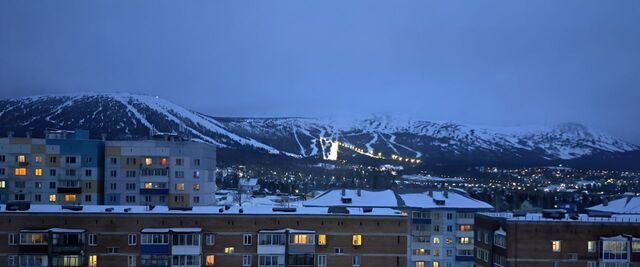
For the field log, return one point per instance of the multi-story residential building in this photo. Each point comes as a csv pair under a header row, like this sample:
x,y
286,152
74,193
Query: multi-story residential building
x,y
65,167
165,171
554,238
440,221
94,235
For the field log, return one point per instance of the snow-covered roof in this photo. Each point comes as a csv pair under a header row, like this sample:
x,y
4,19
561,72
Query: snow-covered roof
x,y
354,198
450,199
500,232
625,205
202,210
166,230
537,217
248,181
429,178
290,230
57,230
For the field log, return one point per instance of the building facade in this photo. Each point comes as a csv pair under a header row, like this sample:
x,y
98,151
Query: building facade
x,y
553,238
46,235
168,171
65,167
440,224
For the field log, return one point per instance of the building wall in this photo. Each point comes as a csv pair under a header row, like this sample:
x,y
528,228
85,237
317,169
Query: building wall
x,y
529,243
383,243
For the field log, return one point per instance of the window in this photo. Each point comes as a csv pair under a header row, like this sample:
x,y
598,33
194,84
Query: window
x,y
464,227
113,186
635,245
555,245
322,260
131,239
148,161
163,161
196,187
339,250
302,239
87,185
420,264
70,160
38,172
322,239
421,251
246,260
93,260
196,199
436,240
87,173
93,240
154,239
179,174
196,162
209,260
592,264
186,239
12,260
356,240
113,250
3,184
32,238
246,239
130,174
500,240
355,260
21,159
20,171
52,172
196,174
449,228
464,240
113,161
615,250
184,260
229,250
113,173
131,186
591,246
70,172
436,264
180,186
131,260
130,199
38,185
2,158
13,239
32,260
52,198
70,198
38,198
210,239
52,185
1,171
53,159
179,162
38,159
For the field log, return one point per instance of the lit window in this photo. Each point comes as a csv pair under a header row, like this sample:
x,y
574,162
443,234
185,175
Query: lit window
x,y
322,240
148,161
38,159
464,240
356,240
93,260
21,171
70,198
38,172
436,240
591,246
196,187
420,251
555,245
180,187
464,227
22,159
52,198
148,185
229,250
436,264
163,161
210,260
420,264
302,239
635,245
3,184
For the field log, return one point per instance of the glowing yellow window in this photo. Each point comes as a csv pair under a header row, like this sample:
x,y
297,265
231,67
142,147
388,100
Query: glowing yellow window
x,y
436,240
3,184
356,240
229,250
419,263
436,264
322,240
210,260
300,239
52,198
180,186
555,245
420,251
21,171
93,260
148,161
38,172
22,159
464,228
38,159
148,185
70,198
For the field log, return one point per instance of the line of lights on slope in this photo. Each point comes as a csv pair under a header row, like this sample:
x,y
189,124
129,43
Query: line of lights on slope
x,y
370,153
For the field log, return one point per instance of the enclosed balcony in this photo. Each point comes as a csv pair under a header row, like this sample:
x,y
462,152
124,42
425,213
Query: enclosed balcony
x,y
67,241
34,242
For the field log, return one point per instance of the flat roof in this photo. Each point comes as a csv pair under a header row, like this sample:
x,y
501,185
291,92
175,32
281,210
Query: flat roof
x,y
200,210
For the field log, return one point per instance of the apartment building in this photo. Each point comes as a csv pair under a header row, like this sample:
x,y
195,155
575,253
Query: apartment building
x,y
164,171
95,235
555,238
65,167
440,224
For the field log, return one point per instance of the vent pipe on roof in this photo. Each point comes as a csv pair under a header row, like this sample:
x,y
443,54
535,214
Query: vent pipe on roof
x,y
446,193
28,134
344,192
103,136
430,193
359,192
605,202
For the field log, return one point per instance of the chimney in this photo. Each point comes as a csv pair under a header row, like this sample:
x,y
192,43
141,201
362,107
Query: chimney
x,y
446,193
103,136
605,202
359,192
344,191
430,193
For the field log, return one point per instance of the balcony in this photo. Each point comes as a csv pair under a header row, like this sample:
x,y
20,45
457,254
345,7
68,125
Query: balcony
x,y
69,190
155,249
154,191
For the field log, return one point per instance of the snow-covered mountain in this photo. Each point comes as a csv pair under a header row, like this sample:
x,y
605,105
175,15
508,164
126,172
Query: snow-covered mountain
x,y
121,115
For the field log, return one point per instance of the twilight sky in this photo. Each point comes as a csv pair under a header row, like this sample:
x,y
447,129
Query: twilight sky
x,y
477,62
